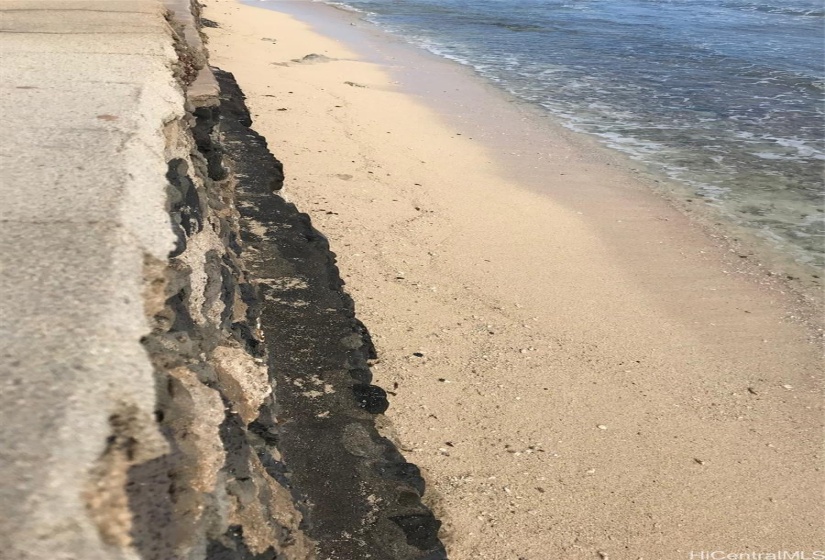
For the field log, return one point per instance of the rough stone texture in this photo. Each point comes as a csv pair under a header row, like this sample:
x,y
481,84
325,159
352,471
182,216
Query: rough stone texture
x,y
219,493
158,401
360,497
131,363
246,382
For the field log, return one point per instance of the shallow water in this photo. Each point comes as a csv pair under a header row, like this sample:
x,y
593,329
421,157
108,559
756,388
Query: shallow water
x,y
725,96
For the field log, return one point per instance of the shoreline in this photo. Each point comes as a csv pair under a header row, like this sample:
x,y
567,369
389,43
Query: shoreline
x,y
431,78
512,326
783,256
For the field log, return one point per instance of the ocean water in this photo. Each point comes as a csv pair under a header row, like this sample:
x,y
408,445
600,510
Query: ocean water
x,y
724,96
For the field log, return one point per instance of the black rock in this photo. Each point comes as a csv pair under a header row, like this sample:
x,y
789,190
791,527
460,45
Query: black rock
x,y
371,398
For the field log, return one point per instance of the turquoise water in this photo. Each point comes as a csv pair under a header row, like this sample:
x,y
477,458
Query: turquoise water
x,y
725,96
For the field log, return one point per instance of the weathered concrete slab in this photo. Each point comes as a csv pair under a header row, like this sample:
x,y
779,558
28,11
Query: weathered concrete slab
x,y
204,91
87,91
134,44
79,108
181,10
70,70
98,114
107,6
71,358
75,22
48,193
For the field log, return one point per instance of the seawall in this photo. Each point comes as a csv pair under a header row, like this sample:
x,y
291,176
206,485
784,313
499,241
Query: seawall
x,y
184,375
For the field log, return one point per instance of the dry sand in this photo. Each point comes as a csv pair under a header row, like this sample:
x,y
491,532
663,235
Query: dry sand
x,y
580,369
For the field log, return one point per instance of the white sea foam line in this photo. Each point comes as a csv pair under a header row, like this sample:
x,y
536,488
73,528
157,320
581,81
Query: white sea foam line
x,y
635,148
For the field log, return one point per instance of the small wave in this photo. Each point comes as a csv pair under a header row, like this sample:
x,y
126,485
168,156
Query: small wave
x,y
801,146
731,112
775,156
633,146
517,27
761,7
792,12
340,5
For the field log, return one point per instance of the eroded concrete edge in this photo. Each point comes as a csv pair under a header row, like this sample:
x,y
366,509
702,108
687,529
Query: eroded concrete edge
x,y
358,496
216,493
254,318
229,414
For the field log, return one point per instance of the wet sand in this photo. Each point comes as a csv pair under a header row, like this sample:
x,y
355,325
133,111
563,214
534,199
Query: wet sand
x,y
582,369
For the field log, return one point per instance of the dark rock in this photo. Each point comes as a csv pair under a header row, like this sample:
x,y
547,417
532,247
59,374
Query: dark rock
x,y
421,529
206,118
169,517
330,451
403,472
371,398
362,375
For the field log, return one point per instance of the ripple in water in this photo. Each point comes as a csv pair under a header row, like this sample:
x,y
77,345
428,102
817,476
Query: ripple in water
x,y
725,96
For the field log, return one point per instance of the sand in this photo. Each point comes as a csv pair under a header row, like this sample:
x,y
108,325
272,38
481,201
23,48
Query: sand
x,y
581,368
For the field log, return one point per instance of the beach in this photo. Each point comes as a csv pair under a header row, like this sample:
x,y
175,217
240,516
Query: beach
x,y
581,367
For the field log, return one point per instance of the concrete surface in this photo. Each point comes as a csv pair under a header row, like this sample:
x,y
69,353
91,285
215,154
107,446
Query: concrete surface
x,y
87,90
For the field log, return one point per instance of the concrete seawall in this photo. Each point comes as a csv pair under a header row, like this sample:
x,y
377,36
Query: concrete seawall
x,y
183,375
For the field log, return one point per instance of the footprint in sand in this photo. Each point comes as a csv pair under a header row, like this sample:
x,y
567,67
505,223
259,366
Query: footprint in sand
x,y
344,176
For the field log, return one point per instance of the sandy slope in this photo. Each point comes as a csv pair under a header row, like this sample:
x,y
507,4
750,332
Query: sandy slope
x,y
581,371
